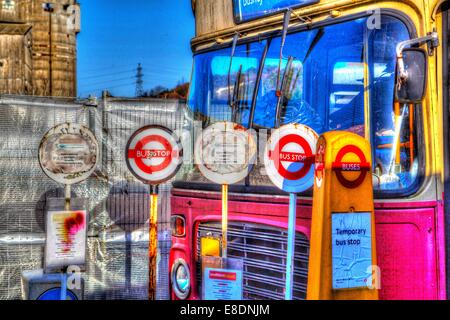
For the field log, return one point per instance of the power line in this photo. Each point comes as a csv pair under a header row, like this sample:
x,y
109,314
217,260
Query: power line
x,y
111,67
87,92
105,75
157,68
105,81
106,85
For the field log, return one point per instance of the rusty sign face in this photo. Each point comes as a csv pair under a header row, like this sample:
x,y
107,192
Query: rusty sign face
x,y
69,153
224,152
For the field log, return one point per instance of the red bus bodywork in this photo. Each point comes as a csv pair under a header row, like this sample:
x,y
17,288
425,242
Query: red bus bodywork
x,y
410,237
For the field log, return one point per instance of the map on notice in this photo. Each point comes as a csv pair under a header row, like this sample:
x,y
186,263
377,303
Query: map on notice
x,y
351,250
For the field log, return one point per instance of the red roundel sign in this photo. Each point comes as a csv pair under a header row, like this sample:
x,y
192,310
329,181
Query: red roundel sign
x,y
340,166
289,157
154,154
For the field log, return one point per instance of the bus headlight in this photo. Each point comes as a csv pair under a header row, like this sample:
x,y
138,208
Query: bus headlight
x,y
181,279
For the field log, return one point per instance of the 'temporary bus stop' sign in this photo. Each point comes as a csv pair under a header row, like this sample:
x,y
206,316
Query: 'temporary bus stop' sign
x,y
68,153
351,249
153,154
289,158
342,256
245,10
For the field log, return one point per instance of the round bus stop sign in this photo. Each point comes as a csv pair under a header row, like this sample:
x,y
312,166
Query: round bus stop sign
x,y
224,153
347,165
68,153
289,157
154,154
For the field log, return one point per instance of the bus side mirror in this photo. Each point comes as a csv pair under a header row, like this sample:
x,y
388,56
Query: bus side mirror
x,y
411,76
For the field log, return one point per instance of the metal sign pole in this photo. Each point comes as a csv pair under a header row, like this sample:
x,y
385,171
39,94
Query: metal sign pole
x,y
224,220
291,246
63,293
67,191
153,242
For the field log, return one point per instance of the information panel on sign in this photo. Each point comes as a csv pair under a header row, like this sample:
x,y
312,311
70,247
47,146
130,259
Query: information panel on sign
x,y
225,152
245,10
351,250
222,284
66,239
69,153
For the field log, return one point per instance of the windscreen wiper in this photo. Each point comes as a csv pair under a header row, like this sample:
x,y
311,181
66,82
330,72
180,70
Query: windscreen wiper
x,y
233,50
311,48
289,79
236,96
287,18
314,43
282,96
257,84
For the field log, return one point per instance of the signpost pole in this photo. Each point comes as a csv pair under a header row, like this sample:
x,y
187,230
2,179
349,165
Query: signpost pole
x,y
291,246
67,191
63,294
224,220
153,242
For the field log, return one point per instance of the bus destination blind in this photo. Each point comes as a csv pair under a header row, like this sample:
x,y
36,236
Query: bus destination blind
x,y
245,10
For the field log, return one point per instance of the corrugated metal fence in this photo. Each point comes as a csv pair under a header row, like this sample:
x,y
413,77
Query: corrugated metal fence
x,y
117,263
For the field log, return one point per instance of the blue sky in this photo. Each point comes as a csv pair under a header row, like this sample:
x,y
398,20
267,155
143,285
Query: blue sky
x,y
117,35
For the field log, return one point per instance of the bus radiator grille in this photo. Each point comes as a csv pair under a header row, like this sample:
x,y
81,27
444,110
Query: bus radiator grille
x,y
263,249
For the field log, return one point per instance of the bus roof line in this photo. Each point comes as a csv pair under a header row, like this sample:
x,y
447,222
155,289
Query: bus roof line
x,y
274,21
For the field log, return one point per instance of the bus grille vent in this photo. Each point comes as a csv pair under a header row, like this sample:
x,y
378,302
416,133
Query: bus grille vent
x,y
263,249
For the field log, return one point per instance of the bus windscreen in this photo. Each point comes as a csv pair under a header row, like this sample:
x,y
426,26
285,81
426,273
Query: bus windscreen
x,y
245,10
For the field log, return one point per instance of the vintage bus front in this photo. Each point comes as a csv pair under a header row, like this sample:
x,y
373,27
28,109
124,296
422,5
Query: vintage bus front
x,y
342,76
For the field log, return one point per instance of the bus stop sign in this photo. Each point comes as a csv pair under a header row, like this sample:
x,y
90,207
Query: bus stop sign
x,y
225,152
289,157
341,167
154,154
69,153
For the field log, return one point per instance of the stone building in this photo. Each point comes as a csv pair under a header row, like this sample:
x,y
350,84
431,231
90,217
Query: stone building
x,y
38,47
